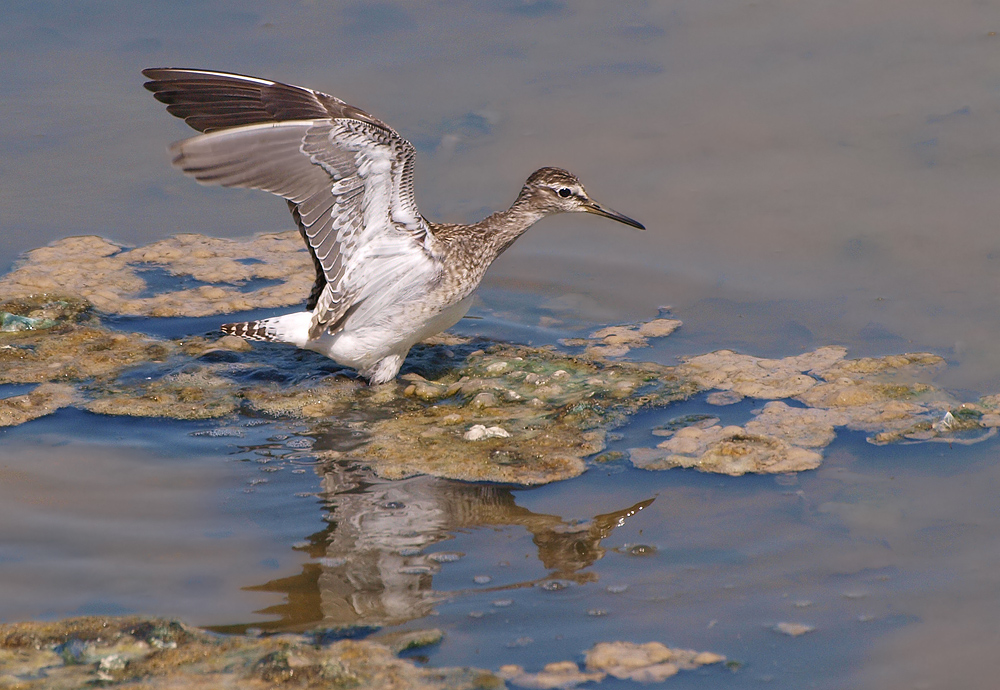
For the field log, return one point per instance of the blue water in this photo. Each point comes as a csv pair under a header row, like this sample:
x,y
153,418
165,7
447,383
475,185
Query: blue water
x,y
808,178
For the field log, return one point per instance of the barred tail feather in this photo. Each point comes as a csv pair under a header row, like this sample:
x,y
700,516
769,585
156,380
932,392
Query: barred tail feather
x,y
290,328
249,330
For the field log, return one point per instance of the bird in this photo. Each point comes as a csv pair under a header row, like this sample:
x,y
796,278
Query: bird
x,y
386,277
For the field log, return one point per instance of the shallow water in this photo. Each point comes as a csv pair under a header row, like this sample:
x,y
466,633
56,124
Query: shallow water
x,y
811,173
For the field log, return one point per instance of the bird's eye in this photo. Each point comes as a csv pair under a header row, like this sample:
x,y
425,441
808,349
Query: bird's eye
x,y
565,192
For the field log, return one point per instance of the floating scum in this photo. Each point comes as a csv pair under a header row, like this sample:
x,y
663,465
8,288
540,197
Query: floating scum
x,y
155,653
467,409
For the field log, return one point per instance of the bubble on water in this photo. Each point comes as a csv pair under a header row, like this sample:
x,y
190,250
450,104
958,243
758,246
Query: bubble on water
x,y
445,556
482,579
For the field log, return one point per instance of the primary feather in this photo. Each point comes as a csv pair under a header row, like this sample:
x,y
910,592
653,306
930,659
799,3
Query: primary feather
x,y
385,276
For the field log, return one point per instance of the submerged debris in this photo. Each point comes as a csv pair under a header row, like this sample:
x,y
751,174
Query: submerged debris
x,y
154,653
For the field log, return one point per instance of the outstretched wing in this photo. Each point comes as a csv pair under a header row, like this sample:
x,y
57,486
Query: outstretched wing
x,y
210,101
348,179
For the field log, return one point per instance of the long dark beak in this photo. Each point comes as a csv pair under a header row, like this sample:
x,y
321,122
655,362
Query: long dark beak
x,y
597,209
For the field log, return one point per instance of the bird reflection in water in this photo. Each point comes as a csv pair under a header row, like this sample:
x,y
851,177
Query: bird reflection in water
x,y
370,566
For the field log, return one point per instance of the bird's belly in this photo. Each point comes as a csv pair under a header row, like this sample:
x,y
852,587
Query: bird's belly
x,y
361,346
444,320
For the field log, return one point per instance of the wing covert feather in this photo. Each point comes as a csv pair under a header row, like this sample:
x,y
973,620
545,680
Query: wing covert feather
x,y
348,179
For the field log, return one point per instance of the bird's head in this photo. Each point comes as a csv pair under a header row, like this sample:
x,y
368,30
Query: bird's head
x,y
553,190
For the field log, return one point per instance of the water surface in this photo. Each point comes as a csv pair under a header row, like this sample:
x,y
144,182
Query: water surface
x,y
811,173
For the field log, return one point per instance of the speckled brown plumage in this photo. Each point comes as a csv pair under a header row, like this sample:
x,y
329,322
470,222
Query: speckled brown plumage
x,y
386,277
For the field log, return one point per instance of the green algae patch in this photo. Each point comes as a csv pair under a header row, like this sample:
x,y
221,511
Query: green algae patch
x,y
45,399
465,409
499,413
889,397
197,394
40,312
615,341
514,415
117,280
330,397
69,345
483,411
651,662
134,652
152,653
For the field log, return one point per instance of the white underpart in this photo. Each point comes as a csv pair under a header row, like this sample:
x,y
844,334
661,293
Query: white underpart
x,y
363,345
376,349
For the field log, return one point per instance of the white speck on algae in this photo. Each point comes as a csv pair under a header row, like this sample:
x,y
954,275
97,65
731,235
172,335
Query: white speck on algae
x,y
534,414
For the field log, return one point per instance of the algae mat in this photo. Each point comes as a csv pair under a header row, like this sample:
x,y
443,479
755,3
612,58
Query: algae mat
x,y
466,409
153,653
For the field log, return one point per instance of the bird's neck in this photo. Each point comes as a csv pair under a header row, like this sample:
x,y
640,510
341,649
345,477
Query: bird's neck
x,y
504,227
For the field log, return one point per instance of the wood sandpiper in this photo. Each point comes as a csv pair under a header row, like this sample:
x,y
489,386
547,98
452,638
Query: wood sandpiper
x,y
386,277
